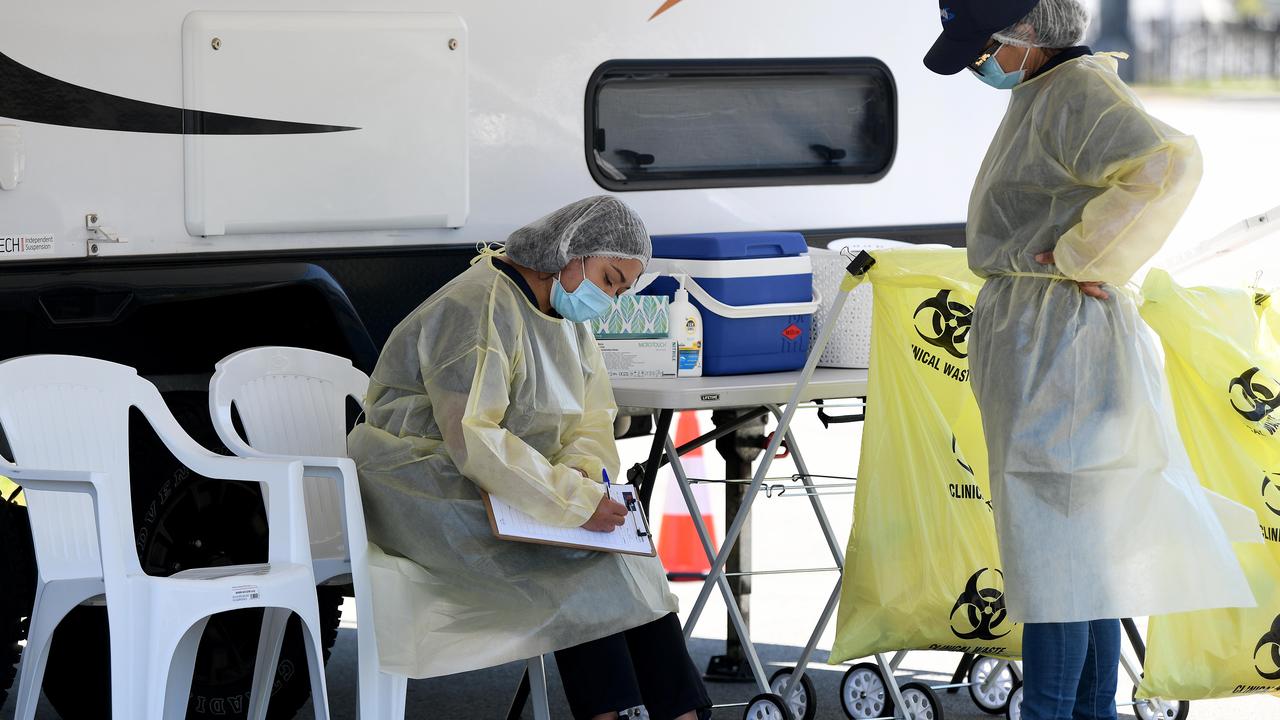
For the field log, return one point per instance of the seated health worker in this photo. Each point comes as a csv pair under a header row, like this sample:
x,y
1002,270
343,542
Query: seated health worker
x,y
495,383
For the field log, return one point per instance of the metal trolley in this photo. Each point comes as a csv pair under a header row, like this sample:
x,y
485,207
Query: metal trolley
x,y
994,685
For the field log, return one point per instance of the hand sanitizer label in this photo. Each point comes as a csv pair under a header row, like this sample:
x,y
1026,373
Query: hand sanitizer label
x,y
690,356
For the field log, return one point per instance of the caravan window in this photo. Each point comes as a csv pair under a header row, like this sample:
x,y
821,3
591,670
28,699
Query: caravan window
x,y
733,123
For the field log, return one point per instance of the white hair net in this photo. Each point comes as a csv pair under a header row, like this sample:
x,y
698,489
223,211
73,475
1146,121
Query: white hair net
x,y
596,226
1051,24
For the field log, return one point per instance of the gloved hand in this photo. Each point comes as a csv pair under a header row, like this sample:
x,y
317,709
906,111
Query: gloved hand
x,y
1092,289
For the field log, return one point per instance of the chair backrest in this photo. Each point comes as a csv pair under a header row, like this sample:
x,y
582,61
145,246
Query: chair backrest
x,y
62,412
292,402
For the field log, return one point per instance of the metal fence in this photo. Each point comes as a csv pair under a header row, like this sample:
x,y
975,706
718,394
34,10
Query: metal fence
x,y
1180,53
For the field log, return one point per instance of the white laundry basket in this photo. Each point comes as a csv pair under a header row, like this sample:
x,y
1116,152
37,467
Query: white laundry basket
x,y
850,343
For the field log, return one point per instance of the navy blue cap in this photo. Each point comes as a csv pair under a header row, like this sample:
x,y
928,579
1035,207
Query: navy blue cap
x,y
967,26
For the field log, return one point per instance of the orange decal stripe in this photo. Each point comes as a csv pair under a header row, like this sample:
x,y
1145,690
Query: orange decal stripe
x,y
665,7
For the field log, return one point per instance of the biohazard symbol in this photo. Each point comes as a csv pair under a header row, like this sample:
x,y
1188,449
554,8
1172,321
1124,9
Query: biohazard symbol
x,y
1256,399
980,612
1268,663
665,7
1271,492
945,323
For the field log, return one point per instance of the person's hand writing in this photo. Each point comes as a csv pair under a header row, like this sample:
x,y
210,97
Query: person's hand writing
x,y
1092,289
609,514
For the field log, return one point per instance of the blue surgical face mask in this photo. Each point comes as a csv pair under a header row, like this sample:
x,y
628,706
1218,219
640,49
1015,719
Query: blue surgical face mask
x,y
586,303
992,74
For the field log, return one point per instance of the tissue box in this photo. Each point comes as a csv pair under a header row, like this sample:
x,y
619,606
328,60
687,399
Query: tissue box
x,y
639,358
633,317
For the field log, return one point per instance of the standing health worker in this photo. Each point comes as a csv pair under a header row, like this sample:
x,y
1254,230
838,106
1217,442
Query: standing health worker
x,y
1079,188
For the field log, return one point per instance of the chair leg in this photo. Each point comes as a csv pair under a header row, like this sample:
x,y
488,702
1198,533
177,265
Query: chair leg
x,y
132,659
315,665
31,677
379,695
270,640
538,688
44,620
52,603
181,666
371,690
397,694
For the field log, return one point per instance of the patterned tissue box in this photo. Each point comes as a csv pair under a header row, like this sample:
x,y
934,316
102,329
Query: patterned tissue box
x,y
633,317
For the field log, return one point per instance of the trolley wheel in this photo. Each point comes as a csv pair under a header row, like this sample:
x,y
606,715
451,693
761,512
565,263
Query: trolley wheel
x,y
1014,711
995,700
862,693
1157,709
805,704
767,706
921,702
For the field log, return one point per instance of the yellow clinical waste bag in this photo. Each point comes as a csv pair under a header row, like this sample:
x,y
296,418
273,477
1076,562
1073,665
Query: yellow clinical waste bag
x,y
923,568
1222,357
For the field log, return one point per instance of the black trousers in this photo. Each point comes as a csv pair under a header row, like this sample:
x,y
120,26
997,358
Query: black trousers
x,y
648,665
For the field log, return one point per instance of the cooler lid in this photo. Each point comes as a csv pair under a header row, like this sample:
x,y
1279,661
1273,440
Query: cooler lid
x,y
729,246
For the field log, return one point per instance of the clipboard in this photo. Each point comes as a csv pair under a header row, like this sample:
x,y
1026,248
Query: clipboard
x,y
632,538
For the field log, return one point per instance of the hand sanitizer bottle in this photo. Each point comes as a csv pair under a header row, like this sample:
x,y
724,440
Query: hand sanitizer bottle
x,y
685,323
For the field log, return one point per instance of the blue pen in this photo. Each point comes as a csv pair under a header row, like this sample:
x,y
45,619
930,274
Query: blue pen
x,y
606,483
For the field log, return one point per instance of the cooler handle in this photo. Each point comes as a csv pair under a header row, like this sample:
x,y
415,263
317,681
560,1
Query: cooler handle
x,y
738,312
735,312
776,248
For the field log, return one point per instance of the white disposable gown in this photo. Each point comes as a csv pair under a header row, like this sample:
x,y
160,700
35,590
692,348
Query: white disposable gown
x,y
477,389
1098,512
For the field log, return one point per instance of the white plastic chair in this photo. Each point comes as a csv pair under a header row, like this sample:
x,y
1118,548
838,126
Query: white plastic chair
x,y
67,422
292,403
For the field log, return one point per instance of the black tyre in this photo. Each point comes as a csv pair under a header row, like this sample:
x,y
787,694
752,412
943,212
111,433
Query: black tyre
x,y
187,521
767,706
17,588
993,700
1014,711
921,702
863,693
805,705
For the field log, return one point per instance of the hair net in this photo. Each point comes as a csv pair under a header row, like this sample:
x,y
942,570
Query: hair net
x,y
601,225
1051,24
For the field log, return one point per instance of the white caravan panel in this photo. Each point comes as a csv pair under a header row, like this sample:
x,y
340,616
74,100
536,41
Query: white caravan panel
x,y
390,88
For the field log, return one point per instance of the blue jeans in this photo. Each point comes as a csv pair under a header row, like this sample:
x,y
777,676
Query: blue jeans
x,y
1070,670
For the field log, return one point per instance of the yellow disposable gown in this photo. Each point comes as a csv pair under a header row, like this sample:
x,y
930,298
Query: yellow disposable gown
x,y
1098,512
477,389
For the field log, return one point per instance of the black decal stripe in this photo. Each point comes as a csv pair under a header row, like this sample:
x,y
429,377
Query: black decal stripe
x,y
34,97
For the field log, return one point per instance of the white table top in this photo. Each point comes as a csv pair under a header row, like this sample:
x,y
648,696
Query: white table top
x,y
733,391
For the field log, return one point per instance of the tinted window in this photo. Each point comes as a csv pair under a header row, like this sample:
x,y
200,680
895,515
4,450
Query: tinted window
x,y
687,124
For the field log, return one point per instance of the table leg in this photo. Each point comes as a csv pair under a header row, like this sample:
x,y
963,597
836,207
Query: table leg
x,y
736,620
661,431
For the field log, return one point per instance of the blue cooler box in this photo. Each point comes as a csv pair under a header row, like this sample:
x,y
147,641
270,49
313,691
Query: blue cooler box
x,y
756,296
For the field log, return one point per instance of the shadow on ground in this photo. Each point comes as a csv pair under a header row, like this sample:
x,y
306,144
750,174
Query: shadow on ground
x,y
487,694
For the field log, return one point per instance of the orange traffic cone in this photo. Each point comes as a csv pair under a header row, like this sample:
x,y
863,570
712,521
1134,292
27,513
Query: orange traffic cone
x,y
678,544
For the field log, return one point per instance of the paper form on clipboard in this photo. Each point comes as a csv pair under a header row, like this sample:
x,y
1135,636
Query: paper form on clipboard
x,y
631,538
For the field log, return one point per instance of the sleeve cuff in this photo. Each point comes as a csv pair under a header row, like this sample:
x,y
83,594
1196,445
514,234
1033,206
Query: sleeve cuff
x,y
582,504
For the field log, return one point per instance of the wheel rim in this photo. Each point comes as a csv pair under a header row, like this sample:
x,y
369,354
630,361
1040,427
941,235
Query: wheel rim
x,y
997,694
864,694
1156,709
763,710
917,705
800,703
1015,705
